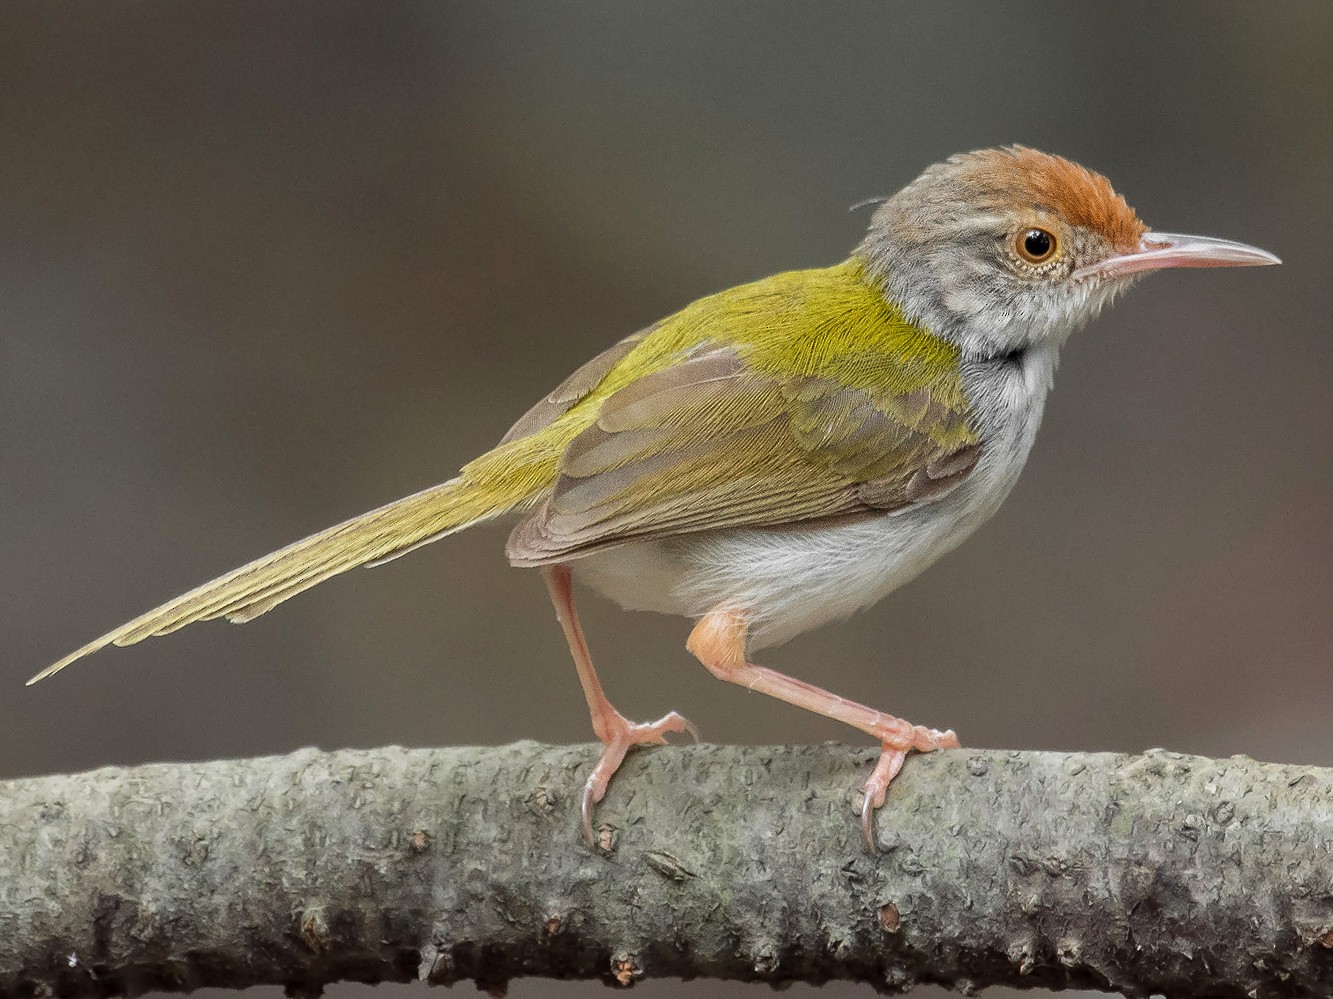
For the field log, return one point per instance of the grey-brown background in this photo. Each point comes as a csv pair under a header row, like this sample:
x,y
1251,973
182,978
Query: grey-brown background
x,y
262,267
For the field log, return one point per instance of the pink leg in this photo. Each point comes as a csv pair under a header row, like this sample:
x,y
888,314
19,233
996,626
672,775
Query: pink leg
x,y
615,732
718,641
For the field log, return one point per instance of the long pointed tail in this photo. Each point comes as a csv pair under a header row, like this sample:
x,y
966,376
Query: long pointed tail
x,y
382,534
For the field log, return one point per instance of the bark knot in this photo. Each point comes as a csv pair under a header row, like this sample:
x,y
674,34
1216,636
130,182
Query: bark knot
x,y
889,918
625,969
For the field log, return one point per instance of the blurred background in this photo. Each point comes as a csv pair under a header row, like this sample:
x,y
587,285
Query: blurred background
x,y
266,266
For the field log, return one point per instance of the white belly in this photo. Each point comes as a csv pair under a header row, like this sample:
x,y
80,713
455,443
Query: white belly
x,y
785,581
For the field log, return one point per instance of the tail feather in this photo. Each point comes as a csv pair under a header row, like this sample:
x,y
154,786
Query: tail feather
x,y
382,534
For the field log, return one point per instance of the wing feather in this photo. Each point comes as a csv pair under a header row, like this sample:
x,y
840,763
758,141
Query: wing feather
x,y
711,442
573,389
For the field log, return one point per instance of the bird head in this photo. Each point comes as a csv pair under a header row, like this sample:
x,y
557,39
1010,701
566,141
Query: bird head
x,y
1002,249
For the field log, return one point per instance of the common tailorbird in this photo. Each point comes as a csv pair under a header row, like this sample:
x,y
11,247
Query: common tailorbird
x,y
782,453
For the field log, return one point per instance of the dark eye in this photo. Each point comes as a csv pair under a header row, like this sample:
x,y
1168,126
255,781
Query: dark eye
x,y
1036,246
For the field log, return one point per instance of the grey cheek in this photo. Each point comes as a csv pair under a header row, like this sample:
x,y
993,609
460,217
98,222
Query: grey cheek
x,y
963,300
976,290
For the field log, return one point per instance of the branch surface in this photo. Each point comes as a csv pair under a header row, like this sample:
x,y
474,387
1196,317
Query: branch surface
x,y
1159,873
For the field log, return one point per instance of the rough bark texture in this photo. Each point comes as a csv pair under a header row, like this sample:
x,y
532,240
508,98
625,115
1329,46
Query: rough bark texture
x,y
1155,873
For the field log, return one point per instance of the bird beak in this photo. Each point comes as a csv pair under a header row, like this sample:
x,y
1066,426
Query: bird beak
x,y
1159,250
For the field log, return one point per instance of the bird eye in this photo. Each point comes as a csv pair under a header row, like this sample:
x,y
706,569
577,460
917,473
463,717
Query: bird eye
x,y
1036,246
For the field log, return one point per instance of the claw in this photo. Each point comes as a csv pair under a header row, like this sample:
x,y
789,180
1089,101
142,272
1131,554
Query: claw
x,y
930,739
688,727
619,736
590,798
891,760
877,788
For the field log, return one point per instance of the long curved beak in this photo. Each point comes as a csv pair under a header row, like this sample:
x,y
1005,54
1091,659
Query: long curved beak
x,y
1159,250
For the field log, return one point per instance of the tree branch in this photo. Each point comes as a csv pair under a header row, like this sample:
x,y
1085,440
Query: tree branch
x,y
1156,873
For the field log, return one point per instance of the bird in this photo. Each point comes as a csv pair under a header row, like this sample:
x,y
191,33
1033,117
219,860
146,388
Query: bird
x,y
783,453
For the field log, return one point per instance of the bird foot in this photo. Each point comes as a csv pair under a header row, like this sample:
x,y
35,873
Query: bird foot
x,y
618,735
891,760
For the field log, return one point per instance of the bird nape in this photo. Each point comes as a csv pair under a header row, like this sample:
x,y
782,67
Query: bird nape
x,y
782,453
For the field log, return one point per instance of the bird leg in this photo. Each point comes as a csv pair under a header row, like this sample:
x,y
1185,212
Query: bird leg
x,y
718,641
617,734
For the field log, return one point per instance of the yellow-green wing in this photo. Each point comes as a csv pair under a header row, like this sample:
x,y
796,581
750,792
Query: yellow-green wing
x,y
716,440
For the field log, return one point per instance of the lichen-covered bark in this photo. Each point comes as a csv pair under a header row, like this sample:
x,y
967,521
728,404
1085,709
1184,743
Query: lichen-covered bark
x,y
1156,873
